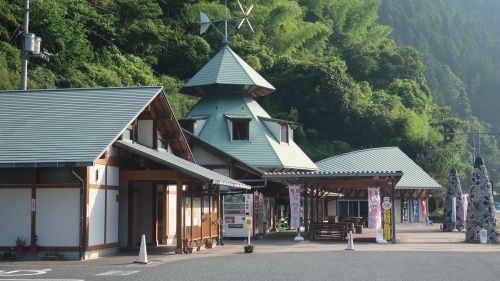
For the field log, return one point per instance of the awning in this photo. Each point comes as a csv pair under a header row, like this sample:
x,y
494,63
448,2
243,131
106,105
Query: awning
x,y
184,166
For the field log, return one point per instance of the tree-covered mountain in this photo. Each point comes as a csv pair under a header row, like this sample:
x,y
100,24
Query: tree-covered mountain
x,y
337,71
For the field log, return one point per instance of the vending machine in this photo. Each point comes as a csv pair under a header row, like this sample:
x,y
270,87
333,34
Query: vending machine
x,y
236,207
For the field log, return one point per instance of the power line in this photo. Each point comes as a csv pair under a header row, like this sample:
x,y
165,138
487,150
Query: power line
x,y
100,8
108,41
13,38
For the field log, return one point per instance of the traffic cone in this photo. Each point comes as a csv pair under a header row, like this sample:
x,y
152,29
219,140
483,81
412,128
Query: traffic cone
x,y
350,243
143,254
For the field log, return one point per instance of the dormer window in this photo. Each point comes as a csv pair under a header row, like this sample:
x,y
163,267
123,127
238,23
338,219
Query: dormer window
x,y
282,130
239,126
241,129
285,134
193,124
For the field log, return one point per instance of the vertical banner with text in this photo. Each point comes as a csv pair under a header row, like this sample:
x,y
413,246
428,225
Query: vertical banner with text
x,y
374,212
294,192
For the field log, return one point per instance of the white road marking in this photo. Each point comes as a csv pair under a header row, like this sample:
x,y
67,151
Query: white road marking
x,y
118,273
42,279
23,272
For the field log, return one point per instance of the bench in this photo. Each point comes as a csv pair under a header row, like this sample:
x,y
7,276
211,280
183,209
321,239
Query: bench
x,y
327,230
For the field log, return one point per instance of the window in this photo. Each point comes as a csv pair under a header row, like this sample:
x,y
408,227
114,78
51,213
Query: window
x,y
284,133
241,129
187,125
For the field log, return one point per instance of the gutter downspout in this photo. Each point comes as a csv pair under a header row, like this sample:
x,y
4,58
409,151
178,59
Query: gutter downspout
x,y
82,191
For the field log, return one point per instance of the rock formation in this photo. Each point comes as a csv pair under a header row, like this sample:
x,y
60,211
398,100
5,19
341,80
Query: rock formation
x,y
454,190
481,208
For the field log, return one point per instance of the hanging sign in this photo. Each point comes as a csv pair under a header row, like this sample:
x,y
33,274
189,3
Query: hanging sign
x,y
374,210
387,224
483,236
386,205
294,192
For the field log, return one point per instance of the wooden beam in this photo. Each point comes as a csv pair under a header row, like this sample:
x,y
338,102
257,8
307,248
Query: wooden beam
x,y
148,175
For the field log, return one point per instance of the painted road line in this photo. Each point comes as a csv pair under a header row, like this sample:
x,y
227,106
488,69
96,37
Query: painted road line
x,y
118,273
23,272
51,279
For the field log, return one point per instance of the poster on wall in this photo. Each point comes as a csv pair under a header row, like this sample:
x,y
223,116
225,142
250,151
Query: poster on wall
x,y
294,192
416,209
374,210
404,209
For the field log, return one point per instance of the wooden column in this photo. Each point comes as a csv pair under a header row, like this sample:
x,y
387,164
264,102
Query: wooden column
x,y
393,211
317,205
306,212
179,230
210,211
130,220
154,204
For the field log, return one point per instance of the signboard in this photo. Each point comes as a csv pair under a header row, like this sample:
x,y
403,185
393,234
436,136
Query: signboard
x,y
294,192
387,224
386,205
248,222
374,210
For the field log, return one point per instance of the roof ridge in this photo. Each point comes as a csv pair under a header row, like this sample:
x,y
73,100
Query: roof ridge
x,y
358,151
79,89
240,63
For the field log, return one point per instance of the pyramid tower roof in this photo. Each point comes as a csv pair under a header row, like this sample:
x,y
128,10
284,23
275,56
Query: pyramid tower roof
x,y
227,72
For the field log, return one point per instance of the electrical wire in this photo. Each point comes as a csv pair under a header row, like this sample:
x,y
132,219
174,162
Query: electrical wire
x,y
13,38
100,8
109,42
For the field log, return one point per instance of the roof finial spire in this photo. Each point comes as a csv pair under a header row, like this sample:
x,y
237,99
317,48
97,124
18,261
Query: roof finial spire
x,y
205,22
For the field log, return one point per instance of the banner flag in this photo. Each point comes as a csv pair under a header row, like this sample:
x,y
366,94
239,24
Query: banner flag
x,y
294,192
374,210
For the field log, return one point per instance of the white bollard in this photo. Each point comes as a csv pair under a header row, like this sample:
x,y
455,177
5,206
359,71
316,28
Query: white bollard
x,y
143,254
350,243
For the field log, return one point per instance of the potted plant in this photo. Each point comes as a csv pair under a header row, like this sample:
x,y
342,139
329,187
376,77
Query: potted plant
x,y
199,245
210,243
20,244
248,248
34,247
190,248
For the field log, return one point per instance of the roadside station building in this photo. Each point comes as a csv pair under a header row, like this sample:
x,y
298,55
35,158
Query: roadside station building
x,y
86,172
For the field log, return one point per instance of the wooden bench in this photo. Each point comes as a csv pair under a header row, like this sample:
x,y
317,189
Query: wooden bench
x,y
327,230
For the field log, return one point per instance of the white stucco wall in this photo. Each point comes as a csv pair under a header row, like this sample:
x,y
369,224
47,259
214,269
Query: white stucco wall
x,y
57,216
112,216
98,174
145,132
96,216
15,215
113,175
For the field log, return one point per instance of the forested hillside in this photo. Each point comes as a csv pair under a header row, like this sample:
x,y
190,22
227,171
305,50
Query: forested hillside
x,y
338,73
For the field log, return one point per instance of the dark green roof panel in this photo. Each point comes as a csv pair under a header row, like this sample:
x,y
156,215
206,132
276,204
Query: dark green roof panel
x,y
65,126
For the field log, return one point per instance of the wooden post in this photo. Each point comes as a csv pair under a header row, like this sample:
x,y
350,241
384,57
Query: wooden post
x,y
317,205
306,212
155,216
393,210
130,229
179,230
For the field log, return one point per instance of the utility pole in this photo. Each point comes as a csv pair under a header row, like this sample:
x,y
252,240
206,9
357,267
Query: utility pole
x,y
24,65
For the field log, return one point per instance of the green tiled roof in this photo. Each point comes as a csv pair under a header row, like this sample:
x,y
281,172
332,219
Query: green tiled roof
x,y
262,150
181,165
227,69
65,127
380,160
